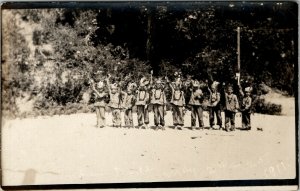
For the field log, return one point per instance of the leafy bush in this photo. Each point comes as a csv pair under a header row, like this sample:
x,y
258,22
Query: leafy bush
x,y
261,106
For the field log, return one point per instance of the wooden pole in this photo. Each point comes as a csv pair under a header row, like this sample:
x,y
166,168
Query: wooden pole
x,y
149,35
238,54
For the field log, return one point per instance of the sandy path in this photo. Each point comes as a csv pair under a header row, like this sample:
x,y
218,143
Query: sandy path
x,y
69,149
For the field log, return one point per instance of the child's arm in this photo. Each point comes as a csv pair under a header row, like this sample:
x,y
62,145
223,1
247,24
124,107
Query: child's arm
x,y
224,91
170,85
223,87
207,86
183,98
210,94
168,81
241,91
147,101
165,98
92,83
133,100
123,99
108,84
237,106
209,90
151,78
218,98
165,103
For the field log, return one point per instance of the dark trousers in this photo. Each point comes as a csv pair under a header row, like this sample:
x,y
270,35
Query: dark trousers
x,y
128,117
246,120
229,120
143,115
159,116
197,111
177,115
212,112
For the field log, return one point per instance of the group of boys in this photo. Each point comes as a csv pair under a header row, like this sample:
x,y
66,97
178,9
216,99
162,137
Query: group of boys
x,y
151,92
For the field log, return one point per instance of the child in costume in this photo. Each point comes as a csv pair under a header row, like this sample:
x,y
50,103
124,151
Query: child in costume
x,y
158,101
129,102
101,97
246,108
142,101
115,103
195,104
177,102
231,108
214,105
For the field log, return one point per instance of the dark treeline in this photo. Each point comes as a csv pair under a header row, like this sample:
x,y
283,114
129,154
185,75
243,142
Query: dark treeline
x,y
53,62
200,38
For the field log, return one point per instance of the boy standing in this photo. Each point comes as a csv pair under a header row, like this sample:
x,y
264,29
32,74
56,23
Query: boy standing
x,y
115,102
231,107
101,97
214,106
178,103
246,108
196,104
129,102
142,101
158,100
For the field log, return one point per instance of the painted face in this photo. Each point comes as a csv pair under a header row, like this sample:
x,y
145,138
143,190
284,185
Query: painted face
x,y
100,85
142,88
158,85
114,90
229,91
177,83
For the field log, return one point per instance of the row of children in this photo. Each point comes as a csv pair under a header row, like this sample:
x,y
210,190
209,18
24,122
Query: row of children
x,y
152,93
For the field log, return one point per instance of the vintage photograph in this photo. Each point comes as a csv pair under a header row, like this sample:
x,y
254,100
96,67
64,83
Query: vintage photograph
x,y
148,92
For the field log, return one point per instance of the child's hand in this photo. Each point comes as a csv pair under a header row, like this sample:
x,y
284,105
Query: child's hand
x,y
91,81
184,111
187,107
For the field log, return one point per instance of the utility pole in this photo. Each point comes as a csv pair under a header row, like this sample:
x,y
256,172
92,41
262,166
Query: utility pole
x,y
149,33
238,74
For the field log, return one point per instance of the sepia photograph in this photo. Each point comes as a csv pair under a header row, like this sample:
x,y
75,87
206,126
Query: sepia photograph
x,y
149,94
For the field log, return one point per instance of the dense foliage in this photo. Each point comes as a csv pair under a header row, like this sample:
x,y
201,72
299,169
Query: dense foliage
x,y
51,54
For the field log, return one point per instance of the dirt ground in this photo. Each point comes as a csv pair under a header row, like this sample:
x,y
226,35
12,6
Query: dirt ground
x,y
69,149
